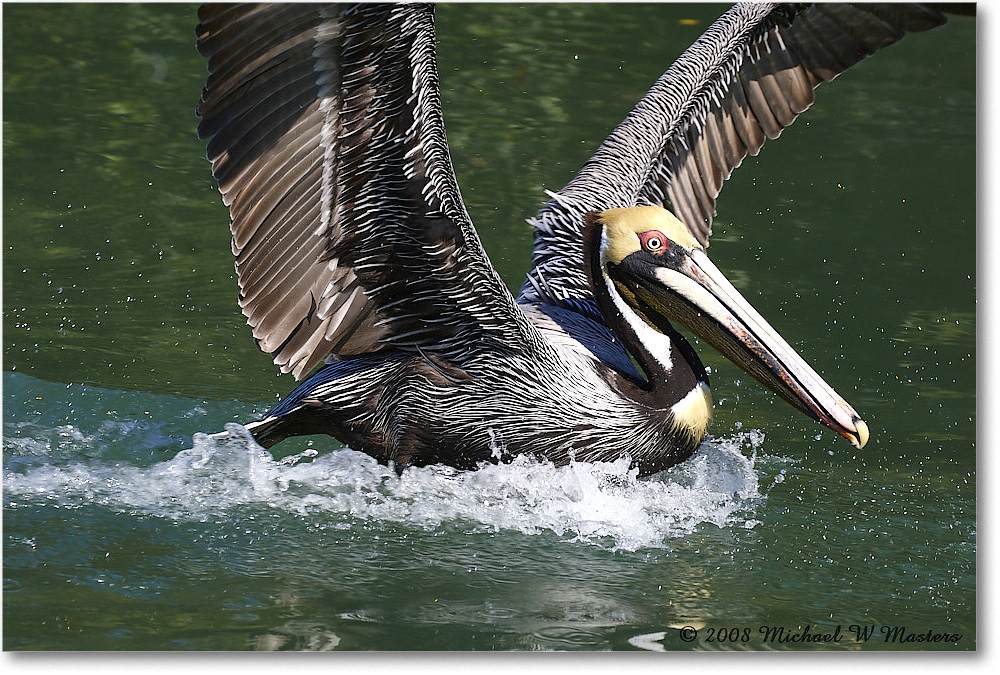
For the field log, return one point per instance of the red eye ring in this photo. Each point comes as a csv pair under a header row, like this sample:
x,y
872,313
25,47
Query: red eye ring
x,y
654,241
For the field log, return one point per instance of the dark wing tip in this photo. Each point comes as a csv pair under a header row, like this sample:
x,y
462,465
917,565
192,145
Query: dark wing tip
x,y
765,86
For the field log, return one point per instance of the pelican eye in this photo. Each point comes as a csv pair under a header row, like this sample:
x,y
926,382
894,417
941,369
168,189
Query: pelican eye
x,y
653,241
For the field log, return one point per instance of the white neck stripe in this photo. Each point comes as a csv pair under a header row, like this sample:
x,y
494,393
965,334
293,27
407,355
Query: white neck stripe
x,y
656,343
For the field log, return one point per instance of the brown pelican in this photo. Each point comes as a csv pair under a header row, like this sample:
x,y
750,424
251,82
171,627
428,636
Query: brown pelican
x,y
353,245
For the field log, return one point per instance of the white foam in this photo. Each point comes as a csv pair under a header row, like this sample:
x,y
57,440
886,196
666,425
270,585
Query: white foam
x,y
600,503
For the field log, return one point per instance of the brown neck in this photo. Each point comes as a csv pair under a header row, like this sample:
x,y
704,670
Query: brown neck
x,y
668,378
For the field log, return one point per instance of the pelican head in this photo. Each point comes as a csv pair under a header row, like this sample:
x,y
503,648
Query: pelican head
x,y
654,266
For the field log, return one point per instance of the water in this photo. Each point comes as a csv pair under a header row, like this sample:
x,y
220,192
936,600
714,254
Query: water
x,y
603,504
127,527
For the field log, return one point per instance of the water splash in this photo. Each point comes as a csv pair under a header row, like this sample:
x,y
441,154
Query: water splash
x,y
603,503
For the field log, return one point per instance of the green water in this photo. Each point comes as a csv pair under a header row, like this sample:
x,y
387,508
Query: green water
x,y
854,234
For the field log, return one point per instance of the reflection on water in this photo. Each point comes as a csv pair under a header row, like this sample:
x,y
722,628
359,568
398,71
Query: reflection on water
x,y
930,328
220,532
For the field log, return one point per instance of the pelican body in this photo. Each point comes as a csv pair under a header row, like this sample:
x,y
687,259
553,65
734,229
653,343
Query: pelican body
x,y
355,252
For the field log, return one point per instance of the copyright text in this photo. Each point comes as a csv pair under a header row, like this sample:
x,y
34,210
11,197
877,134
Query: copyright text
x,y
856,633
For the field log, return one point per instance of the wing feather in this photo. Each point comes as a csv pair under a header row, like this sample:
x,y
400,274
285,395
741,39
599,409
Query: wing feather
x,y
742,82
349,232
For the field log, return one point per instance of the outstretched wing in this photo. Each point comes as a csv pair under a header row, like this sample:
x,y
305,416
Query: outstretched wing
x,y
328,144
743,81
